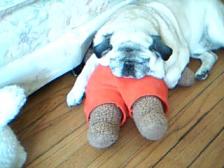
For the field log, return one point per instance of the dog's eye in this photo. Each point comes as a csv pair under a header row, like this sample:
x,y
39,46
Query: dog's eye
x,y
103,48
160,47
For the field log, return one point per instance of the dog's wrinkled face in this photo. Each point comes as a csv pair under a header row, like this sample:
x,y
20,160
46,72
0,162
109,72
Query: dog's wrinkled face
x,y
128,56
129,60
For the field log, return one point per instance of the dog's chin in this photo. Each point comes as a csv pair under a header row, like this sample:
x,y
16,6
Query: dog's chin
x,y
121,72
138,73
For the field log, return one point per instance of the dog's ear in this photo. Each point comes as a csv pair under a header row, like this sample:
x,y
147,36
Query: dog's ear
x,y
161,48
103,47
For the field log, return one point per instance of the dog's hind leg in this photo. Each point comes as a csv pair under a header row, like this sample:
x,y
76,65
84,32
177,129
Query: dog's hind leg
x,y
214,20
208,59
213,38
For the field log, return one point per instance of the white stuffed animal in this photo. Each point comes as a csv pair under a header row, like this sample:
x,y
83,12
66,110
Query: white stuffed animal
x,y
12,154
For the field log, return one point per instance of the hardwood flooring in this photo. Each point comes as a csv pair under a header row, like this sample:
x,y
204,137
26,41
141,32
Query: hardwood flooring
x,y
55,136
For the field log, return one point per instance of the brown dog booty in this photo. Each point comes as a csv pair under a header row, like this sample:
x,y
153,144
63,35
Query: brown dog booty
x,y
187,78
104,126
149,117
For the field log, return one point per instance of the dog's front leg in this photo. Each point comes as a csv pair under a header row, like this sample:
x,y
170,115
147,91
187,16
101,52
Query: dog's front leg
x,y
77,92
175,66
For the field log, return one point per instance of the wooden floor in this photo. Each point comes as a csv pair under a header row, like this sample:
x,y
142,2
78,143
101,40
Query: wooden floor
x,y
55,135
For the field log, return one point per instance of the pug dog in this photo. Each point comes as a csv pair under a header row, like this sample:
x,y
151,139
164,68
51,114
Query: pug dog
x,y
156,37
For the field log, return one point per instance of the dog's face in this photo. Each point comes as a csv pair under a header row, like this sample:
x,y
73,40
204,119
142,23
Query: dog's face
x,y
133,55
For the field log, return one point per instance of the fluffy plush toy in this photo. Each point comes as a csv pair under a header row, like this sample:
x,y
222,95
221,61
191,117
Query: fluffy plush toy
x,y
12,154
110,100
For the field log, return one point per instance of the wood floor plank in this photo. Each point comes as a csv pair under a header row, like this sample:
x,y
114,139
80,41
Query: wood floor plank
x,y
213,156
45,123
179,99
85,152
60,152
185,120
199,136
43,102
180,122
55,135
74,160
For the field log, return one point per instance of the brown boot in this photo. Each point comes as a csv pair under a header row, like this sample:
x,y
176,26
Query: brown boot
x,y
104,126
149,117
187,78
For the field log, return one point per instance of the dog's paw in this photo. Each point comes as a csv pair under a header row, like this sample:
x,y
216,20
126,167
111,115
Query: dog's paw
x,y
201,75
172,78
171,83
74,98
12,98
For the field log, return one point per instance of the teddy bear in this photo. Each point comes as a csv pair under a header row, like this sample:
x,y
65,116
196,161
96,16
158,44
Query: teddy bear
x,y
110,100
12,154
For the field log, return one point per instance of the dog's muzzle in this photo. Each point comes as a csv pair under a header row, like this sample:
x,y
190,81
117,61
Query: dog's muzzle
x,y
129,67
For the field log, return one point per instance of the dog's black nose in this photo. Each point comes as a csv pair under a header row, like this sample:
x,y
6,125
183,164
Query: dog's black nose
x,y
128,69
